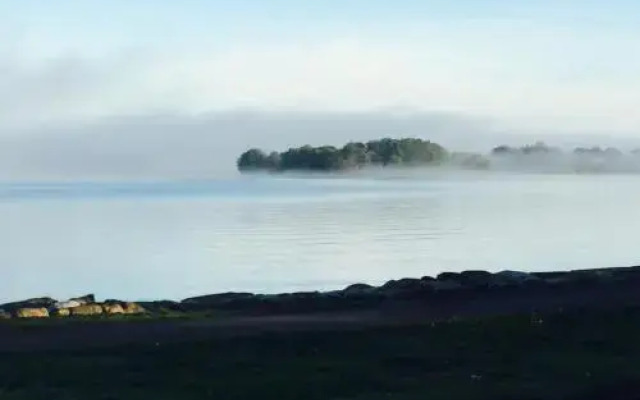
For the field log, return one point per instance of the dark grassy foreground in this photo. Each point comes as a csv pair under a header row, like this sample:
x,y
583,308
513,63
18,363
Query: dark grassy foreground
x,y
558,356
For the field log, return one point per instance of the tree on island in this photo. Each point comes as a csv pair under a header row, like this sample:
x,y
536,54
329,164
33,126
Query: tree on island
x,y
353,155
257,159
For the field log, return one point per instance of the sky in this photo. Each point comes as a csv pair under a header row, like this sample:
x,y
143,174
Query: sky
x,y
119,73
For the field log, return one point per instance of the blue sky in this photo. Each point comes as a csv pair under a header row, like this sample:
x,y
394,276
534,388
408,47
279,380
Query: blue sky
x,y
564,64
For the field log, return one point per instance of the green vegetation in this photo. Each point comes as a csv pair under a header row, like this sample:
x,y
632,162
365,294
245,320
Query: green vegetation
x,y
353,155
536,148
542,148
556,356
413,152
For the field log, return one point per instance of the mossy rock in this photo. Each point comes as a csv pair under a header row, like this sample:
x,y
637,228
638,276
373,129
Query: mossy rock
x,y
39,312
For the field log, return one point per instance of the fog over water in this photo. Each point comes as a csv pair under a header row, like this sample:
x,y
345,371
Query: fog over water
x,y
169,147
121,124
270,234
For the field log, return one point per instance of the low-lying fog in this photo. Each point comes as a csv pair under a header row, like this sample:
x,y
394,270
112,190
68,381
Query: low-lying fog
x,y
202,147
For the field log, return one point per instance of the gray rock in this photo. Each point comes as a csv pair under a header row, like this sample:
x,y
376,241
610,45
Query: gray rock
x,y
358,289
448,276
67,304
507,277
86,299
38,302
217,299
404,287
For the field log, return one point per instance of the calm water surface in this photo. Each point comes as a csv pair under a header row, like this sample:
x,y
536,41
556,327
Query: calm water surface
x,y
172,240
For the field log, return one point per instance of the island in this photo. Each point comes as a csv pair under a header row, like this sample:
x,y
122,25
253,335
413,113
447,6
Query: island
x,y
421,153
356,155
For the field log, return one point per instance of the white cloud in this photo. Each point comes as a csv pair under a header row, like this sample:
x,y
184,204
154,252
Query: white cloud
x,y
550,79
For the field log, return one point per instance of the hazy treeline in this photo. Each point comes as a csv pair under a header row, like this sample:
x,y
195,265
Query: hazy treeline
x,y
355,155
418,152
542,157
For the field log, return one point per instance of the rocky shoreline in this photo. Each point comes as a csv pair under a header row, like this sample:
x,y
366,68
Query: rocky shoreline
x,y
84,306
473,289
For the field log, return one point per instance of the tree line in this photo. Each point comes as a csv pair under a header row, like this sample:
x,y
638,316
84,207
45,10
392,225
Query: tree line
x,y
398,152
353,155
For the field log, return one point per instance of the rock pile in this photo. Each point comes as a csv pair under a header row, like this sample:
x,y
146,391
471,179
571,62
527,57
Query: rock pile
x,y
84,306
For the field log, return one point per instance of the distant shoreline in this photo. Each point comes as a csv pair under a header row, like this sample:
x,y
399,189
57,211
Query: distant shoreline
x,y
415,152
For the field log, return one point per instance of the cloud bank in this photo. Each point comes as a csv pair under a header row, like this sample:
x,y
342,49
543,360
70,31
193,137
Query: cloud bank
x,y
536,86
128,101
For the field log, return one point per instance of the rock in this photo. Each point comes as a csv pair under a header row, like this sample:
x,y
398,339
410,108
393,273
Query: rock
x,y
5,314
218,299
113,309
476,278
358,289
38,302
61,312
472,279
67,304
406,287
515,278
40,312
133,308
86,310
86,299
448,276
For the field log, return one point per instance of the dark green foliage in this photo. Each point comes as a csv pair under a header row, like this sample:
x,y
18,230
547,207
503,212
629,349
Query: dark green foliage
x,y
325,158
353,155
253,159
536,148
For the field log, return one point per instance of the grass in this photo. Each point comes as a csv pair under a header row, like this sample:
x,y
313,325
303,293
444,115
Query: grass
x,y
563,356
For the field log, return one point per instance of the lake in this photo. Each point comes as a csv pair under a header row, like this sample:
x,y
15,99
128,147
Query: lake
x,y
271,234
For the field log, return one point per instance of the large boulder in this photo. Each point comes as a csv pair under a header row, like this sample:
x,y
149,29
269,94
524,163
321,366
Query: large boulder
x,y
61,312
68,304
86,310
113,309
475,279
131,308
86,299
406,287
40,312
448,276
472,279
358,289
218,299
38,302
